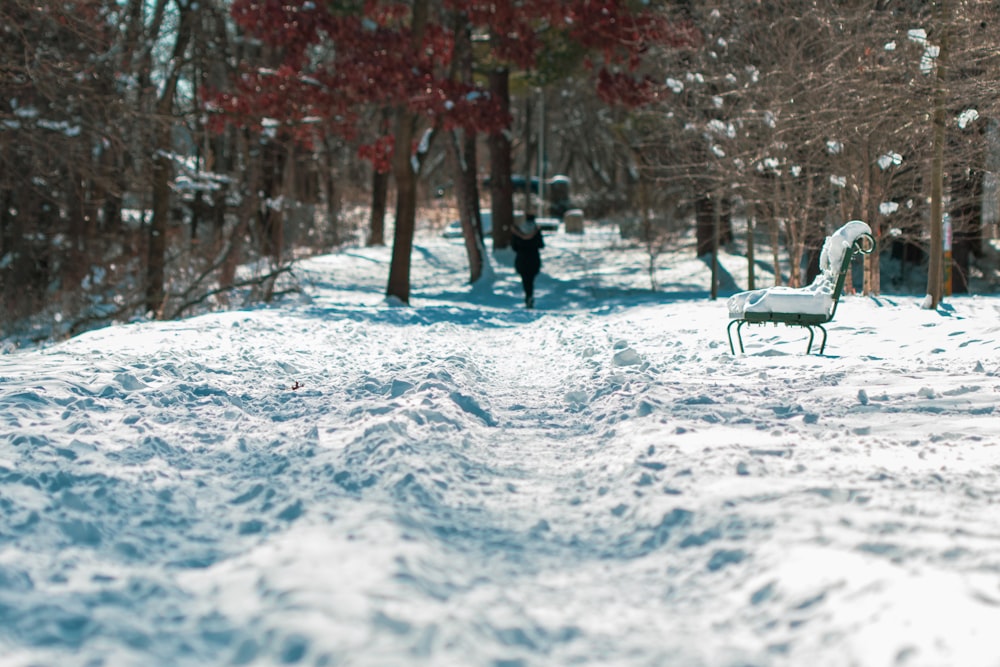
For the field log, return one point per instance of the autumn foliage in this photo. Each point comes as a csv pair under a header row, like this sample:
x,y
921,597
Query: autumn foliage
x,y
330,62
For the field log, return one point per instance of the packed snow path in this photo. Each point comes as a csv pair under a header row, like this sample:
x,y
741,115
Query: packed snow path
x,y
335,482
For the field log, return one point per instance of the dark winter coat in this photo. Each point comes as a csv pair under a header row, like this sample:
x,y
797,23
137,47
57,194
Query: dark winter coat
x,y
528,261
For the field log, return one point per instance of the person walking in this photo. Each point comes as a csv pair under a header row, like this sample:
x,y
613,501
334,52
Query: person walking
x,y
526,241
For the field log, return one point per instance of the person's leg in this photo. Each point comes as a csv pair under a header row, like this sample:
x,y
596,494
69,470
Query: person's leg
x,y
529,289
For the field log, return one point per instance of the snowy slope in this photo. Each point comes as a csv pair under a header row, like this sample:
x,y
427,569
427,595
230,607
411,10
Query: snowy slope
x,y
464,482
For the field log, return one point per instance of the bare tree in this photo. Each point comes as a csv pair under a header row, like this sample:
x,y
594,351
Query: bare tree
x,y
815,113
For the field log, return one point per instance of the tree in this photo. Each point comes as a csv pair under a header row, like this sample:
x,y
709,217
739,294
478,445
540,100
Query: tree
x,y
161,161
58,162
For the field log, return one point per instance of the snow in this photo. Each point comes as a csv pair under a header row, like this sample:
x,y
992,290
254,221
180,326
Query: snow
x,y
60,126
331,481
967,117
888,207
838,244
889,160
813,299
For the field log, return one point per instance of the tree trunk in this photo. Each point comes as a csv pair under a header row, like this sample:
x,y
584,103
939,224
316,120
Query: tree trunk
x,y
797,232
873,268
716,236
466,194
935,266
501,189
461,149
967,230
9,223
870,198
775,249
477,253
704,215
405,175
157,239
75,263
529,149
814,240
275,157
156,261
232,248
406,208
331,234
380,195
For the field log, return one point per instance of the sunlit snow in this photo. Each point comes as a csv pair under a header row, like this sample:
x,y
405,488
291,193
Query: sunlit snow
x,y
889,160
888,207
967,117
331,481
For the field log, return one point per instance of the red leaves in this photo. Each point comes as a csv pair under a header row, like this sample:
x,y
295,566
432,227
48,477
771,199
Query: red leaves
x,y
284,103
621,88
335,59
379,153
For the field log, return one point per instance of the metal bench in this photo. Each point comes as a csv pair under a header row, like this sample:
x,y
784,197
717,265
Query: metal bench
x,y
812,306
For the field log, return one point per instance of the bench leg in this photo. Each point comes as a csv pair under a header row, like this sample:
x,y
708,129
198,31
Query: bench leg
x,y
729,332
810,327
823,344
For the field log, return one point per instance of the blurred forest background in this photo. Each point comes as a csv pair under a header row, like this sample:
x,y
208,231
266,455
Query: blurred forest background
x,y
155,159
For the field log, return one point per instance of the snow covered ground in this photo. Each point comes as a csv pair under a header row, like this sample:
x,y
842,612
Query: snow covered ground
x,y
332,481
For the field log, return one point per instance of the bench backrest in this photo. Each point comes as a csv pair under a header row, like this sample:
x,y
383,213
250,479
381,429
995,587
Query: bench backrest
x,y
860,243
